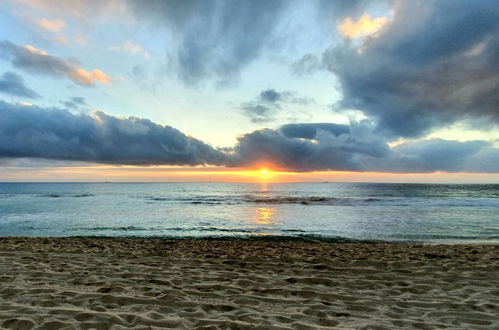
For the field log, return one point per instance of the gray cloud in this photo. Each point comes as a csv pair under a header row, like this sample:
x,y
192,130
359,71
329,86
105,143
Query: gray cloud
x,y
207,39
434,155
485,160
306,147
267,105
57,134
139,72
435,63
259,113
310,130
216,39
335,9
270,95
35,61
50,133
307,64
13,84
75,102
357,147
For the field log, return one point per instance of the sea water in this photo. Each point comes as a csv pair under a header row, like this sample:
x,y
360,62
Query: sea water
x,y
308,211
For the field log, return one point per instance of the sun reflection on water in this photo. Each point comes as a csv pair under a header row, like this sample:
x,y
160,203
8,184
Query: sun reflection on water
x,y
264,215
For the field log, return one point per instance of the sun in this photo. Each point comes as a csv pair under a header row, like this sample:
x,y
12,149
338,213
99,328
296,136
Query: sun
x,y
264,174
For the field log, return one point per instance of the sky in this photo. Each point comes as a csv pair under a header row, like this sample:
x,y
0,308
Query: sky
x,y
212,90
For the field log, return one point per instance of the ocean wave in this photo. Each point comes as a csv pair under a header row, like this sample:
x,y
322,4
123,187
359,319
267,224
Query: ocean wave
x,y
204,200
83,195
53,195
124,228
352,201
330,201
200,229
313,200
7,195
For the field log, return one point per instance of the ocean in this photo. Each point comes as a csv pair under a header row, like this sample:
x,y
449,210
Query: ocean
x,y
433,213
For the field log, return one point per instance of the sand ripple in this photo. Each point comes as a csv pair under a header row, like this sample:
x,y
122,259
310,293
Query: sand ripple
x,y
147,284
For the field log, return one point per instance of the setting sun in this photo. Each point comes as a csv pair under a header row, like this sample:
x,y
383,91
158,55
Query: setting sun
x,y
264,171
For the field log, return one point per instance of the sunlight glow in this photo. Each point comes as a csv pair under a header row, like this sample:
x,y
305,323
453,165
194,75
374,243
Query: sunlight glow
x,y
264,215
161,173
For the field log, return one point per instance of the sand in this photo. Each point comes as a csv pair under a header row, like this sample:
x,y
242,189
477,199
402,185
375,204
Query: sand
x,y
89,283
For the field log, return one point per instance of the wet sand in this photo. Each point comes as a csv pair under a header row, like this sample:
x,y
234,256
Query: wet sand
x,y
98,283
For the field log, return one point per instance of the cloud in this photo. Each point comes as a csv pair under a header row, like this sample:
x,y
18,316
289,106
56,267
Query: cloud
x,y
53,26
34,50
213,39
87,11
34,132
270,96
264,108
485,160
310,130
363,27
433,155
75,102
308,147
84,77
267,105
352,8
13,84
33,60
139,72
307,64
434,64
357,147
259,113
207,40
51,133
130,48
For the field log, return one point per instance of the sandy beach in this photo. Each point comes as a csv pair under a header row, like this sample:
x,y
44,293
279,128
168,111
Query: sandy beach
x,y
98,283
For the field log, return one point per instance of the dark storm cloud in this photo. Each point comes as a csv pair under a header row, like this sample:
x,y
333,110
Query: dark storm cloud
x,y
216,39
435,63
35,61
58,134
13,84
294,148
358,149
33,132
309,130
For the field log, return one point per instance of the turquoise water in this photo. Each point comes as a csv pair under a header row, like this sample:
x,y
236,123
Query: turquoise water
x,y
333,211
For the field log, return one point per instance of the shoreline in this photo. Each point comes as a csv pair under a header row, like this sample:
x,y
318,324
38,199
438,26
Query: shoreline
x,y
118,283
304,238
